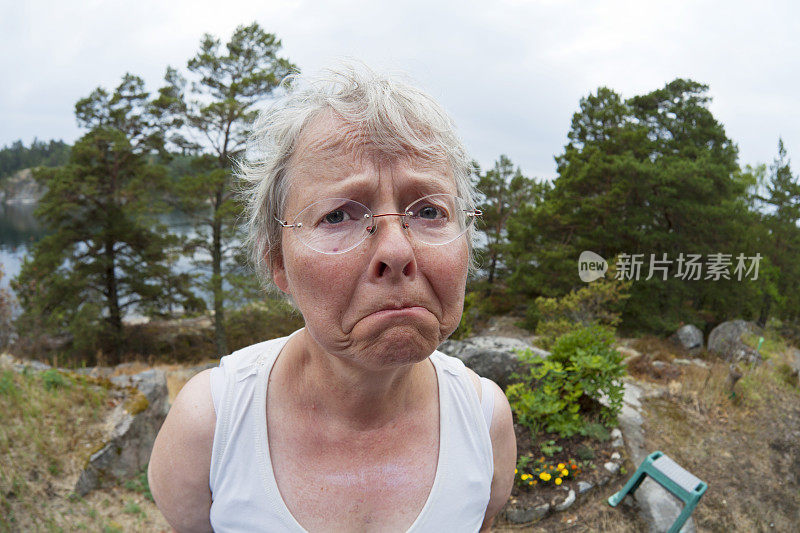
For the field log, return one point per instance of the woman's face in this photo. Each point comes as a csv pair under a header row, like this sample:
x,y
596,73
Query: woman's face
x,y
391,300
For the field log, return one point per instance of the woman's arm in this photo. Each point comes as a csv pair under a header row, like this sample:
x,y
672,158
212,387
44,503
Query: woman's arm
x,y
181,459
504,449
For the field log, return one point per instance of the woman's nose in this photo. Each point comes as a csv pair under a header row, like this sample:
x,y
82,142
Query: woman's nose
x,y
393,253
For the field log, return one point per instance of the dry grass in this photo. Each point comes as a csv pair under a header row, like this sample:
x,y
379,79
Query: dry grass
x,y
50,423
657,349
744,442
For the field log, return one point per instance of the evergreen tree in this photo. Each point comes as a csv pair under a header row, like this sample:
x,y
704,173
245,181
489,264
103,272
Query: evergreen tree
x,y
210,118
655,174
504,191
104,255
782,202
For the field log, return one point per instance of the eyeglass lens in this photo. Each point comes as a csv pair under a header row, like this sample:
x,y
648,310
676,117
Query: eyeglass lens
x,y
336,225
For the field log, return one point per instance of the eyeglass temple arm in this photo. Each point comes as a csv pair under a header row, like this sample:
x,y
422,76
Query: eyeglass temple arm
x,y
475,213
283,223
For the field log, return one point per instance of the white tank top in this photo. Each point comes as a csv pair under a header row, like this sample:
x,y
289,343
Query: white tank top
x,y
244,493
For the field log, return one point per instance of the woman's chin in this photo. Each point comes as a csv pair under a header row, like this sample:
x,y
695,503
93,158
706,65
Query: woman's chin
x,y
395,344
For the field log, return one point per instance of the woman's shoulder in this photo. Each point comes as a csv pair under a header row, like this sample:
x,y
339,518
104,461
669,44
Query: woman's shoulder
x,y
249,358
456,367
181,457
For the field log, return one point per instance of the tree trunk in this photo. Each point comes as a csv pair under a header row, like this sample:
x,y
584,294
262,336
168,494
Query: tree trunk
x,y
112,299
216,283
765,309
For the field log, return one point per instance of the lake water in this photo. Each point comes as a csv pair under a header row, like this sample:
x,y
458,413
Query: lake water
x,y
19,231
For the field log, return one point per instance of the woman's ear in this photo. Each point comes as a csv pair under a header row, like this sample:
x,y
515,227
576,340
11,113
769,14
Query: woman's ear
x,y
279,272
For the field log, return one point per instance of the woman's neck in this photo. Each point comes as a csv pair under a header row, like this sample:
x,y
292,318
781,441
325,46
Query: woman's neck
x,y
341,394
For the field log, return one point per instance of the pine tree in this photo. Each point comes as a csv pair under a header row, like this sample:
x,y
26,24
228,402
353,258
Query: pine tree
x,y
654,174
104,255
210,118
782,200
504,190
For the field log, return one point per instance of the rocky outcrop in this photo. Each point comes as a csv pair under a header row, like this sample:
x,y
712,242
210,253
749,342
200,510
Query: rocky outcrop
x,y
21,188
132,428
491,357
688,337
726,341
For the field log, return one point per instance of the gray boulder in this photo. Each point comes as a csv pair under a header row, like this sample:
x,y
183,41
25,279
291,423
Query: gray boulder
x,y
726,340
131,430
688,337
524,515
795,359
491,357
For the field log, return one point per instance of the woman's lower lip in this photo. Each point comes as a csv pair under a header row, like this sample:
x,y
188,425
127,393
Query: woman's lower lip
x,y
402,311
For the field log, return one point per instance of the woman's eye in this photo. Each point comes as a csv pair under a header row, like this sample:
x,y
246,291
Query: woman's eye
x,y
431,212
335,217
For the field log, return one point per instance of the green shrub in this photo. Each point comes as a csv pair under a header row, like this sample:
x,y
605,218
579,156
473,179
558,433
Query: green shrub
x,y
469,317
584,452
547,400
7,385
599,302
53,379
596,431
788,375
260,321
562,393
550,448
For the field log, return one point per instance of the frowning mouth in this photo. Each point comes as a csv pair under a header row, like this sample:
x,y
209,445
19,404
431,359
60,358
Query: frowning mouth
x,y
400,311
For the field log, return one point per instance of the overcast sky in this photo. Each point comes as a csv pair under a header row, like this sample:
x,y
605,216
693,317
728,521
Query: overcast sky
x,y
510,72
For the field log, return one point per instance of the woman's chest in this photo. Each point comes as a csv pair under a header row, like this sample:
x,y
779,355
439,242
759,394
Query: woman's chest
x,y
378,482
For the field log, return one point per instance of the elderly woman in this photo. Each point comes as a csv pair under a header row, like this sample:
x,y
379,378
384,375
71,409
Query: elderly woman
x,y
361,212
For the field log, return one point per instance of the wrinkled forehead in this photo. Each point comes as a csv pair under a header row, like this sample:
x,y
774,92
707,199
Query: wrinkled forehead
x,y
333,146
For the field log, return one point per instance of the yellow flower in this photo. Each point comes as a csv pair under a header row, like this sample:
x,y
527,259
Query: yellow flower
x,y
515,471
544,476
565,472
530,482
561,466
525,476
558,481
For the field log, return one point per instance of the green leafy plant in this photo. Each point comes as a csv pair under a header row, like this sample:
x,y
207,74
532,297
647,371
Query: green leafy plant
x,y
523,461
596,303
596,431
562,393
550,448
584,452
53,379
7,386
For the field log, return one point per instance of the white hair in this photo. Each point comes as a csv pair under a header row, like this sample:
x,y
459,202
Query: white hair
x,y
391,116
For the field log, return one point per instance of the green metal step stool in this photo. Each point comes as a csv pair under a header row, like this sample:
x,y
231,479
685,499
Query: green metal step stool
x,y
670,475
